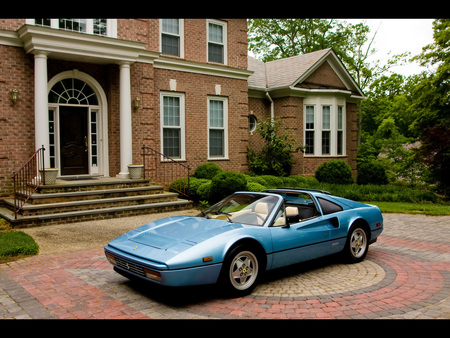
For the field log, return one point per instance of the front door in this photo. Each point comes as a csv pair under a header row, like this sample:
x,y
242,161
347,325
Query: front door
x,y
73,130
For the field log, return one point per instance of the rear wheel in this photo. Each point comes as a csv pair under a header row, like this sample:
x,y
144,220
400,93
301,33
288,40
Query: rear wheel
x,y
241,271
357,244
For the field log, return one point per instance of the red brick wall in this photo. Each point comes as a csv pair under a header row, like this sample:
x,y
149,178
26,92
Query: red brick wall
x,y
290,109
197,88
17,121
147,31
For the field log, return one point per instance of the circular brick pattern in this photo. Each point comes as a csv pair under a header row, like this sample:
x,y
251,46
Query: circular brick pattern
x,y
327,280
406,274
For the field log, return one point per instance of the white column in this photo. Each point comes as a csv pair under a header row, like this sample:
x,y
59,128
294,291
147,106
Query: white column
x,y
41,105
126,150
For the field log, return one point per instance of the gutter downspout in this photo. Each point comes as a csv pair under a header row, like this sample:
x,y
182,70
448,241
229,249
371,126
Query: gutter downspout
x,y
272,113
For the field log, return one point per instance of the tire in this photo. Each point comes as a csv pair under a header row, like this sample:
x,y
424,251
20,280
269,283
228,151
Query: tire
x,y
357,244
240,272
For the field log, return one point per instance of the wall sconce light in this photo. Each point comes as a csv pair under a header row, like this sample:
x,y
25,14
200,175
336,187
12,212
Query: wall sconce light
x,y
136,103
14,93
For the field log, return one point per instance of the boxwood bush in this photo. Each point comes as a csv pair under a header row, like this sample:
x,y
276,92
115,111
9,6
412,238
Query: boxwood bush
x,y
336,172
226,183
207,170
372,173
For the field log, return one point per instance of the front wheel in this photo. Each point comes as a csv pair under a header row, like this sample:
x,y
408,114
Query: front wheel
x,y
240,272
357,245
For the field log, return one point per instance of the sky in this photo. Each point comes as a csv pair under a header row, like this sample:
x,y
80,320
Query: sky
x,y
399,36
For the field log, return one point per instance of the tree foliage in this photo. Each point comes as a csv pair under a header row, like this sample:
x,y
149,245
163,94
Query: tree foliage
x,y
275,158
398,110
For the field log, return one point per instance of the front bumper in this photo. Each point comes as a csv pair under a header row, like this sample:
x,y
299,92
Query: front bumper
x,y
132,267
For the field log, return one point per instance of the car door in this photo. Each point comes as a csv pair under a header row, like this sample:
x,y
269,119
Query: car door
x,y
301,241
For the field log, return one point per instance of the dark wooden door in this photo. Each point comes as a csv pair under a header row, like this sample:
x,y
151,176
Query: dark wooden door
x,y
73,130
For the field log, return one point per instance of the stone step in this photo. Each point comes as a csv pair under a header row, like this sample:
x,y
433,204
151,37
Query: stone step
x,y
94,214
112,192
91,199
78,205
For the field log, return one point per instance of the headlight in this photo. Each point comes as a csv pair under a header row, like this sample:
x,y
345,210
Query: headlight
x,y
111,259
154,275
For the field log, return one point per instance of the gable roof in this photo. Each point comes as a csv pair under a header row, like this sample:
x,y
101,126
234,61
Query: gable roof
x,y
289,73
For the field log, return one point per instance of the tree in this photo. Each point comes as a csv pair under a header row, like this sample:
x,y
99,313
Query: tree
x,y
432,101
271,39
275,158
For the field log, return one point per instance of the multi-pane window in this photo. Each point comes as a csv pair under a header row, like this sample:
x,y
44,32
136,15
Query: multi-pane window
x,y
172,125
76,25
100,27
42,22
309,130
326,129
51,135
171,37
340,131
216,41
217,128
103,27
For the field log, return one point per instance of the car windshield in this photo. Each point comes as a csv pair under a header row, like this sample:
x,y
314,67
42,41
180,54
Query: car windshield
x,y
252,209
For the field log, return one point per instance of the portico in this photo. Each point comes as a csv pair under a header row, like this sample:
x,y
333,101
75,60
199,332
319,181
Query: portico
x,y
47,43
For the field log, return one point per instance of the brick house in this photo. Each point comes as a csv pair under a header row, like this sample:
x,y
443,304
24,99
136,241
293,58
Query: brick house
x,y
101,88
316,99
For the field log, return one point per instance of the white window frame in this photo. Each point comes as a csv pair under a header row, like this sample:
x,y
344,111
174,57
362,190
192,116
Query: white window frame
x,y
319,103
111,26
224,127
181,127
224,42
180,36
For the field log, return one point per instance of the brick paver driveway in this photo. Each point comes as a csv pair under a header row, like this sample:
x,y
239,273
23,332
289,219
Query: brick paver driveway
x,y
406,275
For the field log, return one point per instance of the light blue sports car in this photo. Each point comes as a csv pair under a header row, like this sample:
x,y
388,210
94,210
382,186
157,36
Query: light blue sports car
x,y
245,234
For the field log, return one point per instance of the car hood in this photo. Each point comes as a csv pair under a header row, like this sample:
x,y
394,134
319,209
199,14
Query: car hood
x,y
161,240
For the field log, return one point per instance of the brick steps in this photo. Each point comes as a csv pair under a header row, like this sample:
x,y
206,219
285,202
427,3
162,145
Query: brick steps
x,y
91,200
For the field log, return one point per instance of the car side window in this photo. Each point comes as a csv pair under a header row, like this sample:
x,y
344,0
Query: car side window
x,y
328,207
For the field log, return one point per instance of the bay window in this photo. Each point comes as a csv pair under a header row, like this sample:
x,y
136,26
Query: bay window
x,y
324,127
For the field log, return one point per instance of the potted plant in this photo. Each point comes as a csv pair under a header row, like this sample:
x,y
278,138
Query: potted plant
x,y
49,174
136,170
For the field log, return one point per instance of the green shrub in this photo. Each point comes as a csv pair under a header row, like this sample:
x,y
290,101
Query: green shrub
x,y
372,173
253,186
306,181
226,183
195,184
256,179
272,182
180,184
14,243
334,171
275,157
204,191
207,170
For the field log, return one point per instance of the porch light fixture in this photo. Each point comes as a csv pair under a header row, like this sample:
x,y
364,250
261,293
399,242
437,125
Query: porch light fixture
x,y
14,93
136,103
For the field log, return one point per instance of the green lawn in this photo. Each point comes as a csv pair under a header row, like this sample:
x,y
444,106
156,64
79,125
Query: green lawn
x,y
413,208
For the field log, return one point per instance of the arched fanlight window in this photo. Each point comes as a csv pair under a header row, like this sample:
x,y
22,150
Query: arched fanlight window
x,y
72,91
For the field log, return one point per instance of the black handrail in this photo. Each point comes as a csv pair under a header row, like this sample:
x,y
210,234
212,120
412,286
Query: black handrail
x,y
165,170
28,179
